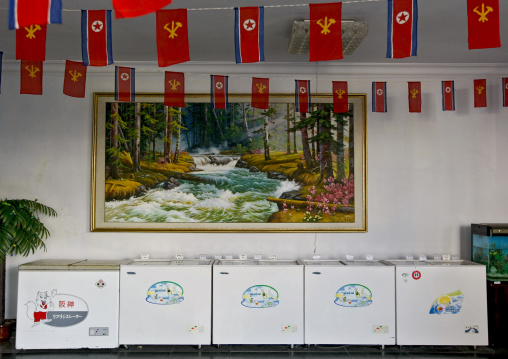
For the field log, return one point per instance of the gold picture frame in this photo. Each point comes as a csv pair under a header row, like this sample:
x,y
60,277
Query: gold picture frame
x,y
120,203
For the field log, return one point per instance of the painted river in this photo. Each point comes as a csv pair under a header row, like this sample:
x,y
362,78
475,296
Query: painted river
x,y
234,195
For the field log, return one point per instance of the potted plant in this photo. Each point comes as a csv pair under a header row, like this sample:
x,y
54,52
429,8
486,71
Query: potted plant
x,y
21,232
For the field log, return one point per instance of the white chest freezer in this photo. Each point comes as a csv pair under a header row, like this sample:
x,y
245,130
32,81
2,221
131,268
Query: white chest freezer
x,y
68,304
441,303
349,302
166,302
258,302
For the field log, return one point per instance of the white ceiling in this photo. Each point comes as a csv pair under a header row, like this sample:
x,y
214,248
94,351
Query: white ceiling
x,y
442,32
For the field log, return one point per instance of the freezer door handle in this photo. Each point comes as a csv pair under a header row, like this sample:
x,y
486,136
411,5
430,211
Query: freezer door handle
x,y
224,272
316,272
131,273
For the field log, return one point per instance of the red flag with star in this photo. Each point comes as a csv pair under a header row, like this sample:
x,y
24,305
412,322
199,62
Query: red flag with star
x,y
415,96
448,93
340,97
174,89
125,89
480,93
483,24
260,92
172,37
302,96
219,91
379,103
325,38
134,8
31,77
74,79
31,43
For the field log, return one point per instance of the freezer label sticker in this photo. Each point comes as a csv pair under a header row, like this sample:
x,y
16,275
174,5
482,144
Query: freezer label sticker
x,y
353,295
56,310
260,296
416,275
450,303
471,329
165,293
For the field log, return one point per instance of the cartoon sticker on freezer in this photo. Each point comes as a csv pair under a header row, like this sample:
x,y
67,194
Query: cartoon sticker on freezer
x,y
450,303
165,293
353,295
56,310
260,296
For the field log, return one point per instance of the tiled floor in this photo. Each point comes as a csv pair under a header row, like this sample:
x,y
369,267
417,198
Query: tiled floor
x,y
7,350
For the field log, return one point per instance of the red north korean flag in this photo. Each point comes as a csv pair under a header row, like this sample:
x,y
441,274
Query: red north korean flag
x,y
302,96
134,8
31,77
74,79
483,24
31,43
448,92
172,37
249,34
96,37
480,93
260,92
504,82
125,84
379,97
340,97
415,96
219,91
174,89
325,41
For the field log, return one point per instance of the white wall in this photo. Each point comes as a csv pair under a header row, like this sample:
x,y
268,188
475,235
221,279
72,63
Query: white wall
x,y
430,175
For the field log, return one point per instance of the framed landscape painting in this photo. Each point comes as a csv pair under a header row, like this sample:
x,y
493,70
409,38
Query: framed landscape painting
x,y
199,169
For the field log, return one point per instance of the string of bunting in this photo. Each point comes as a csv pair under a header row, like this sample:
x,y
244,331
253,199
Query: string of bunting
x,y
31,17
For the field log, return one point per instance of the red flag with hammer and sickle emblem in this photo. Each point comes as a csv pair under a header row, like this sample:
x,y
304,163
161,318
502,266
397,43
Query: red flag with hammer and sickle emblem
x,y
480,93
340,96
172,37
325,41
483,24
174,89
31,77
415,96
260,92
31,43
74,79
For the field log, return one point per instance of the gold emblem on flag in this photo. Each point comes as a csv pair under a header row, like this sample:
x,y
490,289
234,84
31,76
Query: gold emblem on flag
x,y
174,84
260,87
31,31
326,25
414,92
480,89
32,71
173,28
483,13
340,93
75,75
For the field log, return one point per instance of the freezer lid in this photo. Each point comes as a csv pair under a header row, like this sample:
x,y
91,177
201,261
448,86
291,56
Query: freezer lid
x,y
365,263
490,229
45,264
237,262
252,262
192,262
171,262
315,262
406,263
99,264
453,263
273,262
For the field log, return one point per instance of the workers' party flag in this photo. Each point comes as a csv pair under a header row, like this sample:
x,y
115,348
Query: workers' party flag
x,y
124,84
302,96
31,77
504,82
34,12
379,97
402,28
415,96
219,91
260,92
249,34
74,79
483,24
174,89
31,43
325,38
172,37
480,93
134,8
448,90
340,97
96,37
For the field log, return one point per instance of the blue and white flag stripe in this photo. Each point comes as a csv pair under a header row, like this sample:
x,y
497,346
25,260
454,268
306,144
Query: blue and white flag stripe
x,y
54,15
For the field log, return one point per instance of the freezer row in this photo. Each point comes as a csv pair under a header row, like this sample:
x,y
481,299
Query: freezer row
x,y
104,304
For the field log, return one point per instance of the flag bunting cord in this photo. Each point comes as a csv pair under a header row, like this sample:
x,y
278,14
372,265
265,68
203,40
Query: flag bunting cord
x,y
266,6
